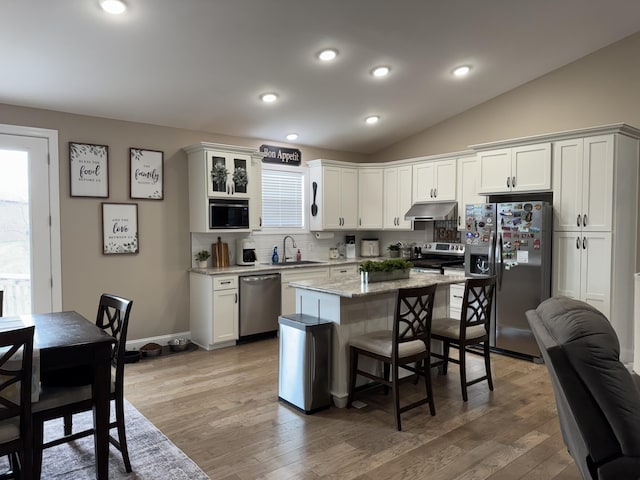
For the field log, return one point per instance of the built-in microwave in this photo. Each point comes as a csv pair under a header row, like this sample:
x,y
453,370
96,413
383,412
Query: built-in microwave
x,y
227,214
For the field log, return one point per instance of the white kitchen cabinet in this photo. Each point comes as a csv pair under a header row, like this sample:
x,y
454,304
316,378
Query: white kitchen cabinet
x,y
343,270
595,204
397,197
515,169
337,195
235,183
255,192
582,268
456,296
201,159
288,294
434,181
213,312
468,183
370,200
583,184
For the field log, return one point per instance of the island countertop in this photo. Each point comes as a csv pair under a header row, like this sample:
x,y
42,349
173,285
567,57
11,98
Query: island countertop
x,y
352,287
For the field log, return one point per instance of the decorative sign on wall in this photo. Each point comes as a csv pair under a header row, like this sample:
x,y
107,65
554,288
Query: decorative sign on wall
x,y
119,228
147,174
288,156
89,170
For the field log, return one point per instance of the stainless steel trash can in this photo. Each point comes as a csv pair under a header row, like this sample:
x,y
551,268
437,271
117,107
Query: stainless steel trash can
x,y
305,352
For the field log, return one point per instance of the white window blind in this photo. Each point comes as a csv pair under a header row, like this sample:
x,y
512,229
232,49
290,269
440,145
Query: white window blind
x,y
282,199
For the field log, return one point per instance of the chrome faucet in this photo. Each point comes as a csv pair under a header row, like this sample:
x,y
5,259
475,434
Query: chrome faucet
x,y
284,247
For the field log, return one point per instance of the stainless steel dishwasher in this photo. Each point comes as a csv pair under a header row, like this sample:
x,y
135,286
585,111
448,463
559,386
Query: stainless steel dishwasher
x,y
259,306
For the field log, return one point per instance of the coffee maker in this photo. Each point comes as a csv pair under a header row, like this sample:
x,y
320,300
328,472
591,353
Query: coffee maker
x,y
245,252
350,241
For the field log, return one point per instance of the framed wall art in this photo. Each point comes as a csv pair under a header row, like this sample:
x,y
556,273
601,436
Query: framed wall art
x,y
146,173
119,228
89,170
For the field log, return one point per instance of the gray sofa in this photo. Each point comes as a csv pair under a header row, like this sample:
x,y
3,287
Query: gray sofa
x,y
598,400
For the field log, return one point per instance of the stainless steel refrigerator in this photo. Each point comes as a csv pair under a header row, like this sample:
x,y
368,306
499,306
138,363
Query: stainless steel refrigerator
x,y
513,242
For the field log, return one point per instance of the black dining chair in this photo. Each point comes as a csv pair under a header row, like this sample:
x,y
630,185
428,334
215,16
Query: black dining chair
x,y
472,328
407,346
66,400
16,434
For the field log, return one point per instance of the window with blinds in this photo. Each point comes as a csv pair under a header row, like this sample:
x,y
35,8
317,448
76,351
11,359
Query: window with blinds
x,y
282,198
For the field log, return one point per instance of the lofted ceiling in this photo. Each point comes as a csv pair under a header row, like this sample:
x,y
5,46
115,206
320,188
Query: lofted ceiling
x,y
202,64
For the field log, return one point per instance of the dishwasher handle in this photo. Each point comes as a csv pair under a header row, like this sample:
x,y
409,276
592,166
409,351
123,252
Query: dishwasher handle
x,y
259,278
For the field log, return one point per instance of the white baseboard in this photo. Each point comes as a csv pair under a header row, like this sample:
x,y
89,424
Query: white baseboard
x,y
161,340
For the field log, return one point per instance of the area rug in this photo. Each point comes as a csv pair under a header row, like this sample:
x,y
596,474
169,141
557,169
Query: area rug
x,y
152,454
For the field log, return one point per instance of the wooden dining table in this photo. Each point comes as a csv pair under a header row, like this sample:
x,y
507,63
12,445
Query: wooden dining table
x,y
65,340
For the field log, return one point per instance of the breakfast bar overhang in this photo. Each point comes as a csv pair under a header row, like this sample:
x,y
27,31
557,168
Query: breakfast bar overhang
x,y
356,307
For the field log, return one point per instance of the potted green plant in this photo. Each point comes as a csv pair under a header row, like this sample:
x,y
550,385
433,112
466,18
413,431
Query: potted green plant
x,y
392,269
201,257
394,250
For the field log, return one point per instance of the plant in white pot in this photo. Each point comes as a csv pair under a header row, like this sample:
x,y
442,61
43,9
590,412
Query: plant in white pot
x,y
201,257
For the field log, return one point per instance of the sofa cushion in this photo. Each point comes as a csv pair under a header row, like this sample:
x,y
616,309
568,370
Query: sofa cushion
x,y
590,345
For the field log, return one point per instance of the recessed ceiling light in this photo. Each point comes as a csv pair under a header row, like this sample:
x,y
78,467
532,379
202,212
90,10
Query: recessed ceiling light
x,y
115,7
372,119
269,97
292,136
461,71
380,71
328,54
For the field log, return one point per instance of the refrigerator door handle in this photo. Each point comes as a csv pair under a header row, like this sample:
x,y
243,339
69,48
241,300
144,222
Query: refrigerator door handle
x,y
501,268
491,259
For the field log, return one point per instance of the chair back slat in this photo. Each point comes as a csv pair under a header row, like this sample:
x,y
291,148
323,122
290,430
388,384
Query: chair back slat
x,y
414,311
477,303
16,363
113,318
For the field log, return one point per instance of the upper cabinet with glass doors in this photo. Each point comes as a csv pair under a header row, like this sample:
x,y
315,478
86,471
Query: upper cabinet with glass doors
x,y
228,174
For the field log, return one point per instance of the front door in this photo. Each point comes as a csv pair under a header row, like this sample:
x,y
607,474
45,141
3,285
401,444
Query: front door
x,y
29,215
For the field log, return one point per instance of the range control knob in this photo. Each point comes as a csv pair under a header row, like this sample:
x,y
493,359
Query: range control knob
x,y
428,246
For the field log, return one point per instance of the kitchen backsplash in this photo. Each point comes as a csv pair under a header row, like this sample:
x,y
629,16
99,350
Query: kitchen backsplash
x,y
310,247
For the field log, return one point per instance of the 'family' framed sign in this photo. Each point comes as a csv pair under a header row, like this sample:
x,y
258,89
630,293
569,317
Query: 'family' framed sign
x,y
119,228
147,174
89,170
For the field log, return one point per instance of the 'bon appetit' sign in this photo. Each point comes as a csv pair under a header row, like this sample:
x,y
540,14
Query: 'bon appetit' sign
x,y
287,156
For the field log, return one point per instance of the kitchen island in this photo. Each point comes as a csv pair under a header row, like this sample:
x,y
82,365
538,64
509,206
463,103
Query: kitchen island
x,y
356,307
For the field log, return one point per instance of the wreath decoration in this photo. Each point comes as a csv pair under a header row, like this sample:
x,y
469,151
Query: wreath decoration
x,y
219,174
240,177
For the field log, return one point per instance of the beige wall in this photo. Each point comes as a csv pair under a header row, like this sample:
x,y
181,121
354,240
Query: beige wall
x,y
156,279
601,88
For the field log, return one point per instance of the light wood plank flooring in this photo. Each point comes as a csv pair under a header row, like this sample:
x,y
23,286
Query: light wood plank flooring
x,y
221,409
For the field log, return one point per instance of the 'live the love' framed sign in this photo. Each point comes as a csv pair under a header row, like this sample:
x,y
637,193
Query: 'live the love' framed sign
x,y
147,177
89,170
119,228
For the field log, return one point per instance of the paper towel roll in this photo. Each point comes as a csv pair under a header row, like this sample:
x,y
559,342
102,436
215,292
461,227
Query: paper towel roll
x,y
324,235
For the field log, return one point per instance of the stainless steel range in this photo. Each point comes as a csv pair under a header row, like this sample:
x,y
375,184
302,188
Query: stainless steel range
x,y
438,256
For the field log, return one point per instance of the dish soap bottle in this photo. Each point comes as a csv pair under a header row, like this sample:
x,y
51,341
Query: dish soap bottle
x,y
274,257
298,256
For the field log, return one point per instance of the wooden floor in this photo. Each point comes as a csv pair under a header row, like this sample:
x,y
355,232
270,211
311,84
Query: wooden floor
x,y
221,408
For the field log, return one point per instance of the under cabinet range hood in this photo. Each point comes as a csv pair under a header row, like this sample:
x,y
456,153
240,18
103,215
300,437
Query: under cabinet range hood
x,y
429,211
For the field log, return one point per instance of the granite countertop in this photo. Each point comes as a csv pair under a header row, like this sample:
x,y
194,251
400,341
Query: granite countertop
x,y
266,268
352,287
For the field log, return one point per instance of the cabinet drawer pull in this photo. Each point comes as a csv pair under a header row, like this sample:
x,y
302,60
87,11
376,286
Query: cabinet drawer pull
x,y
584,243
236,297
578,243
584,220
457,296
226,282
435,193
431,193
513,182
508,182
578,221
